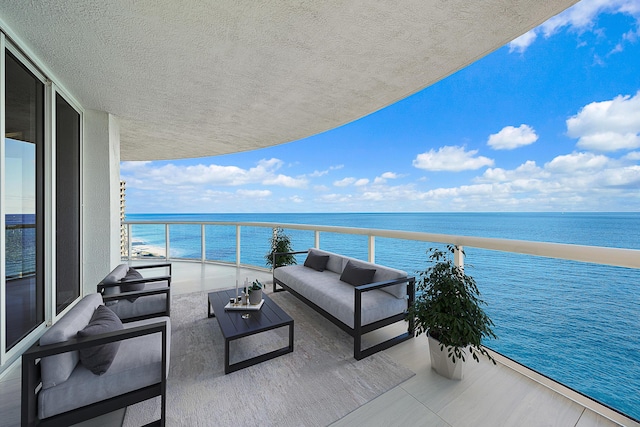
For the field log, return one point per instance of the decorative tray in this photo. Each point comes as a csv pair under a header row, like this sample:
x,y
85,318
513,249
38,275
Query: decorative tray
x,y
244,307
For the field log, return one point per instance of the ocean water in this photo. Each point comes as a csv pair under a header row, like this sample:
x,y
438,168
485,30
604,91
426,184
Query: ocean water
x,y
574,322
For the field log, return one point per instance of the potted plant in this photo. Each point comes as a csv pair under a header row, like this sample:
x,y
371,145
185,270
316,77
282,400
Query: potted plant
x,y
448,308
279,243
255,292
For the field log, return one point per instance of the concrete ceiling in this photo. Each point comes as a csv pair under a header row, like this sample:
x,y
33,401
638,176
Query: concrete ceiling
x,y
203,78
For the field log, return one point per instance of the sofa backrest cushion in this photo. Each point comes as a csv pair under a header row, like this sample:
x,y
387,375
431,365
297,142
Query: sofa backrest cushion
x,y
116,275
56,369
384,274
335,263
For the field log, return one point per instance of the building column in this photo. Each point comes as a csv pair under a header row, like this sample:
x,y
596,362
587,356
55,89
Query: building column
x,y
101,197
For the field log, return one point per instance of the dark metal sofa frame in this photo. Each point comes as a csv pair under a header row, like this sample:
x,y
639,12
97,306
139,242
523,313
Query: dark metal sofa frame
x,y
359,330
31,379
145,292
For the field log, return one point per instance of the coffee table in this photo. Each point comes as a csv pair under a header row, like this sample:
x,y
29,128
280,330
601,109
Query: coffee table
x,y
234,327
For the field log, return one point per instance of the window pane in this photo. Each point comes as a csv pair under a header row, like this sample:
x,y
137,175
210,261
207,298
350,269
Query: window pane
x,y
67,204
24,149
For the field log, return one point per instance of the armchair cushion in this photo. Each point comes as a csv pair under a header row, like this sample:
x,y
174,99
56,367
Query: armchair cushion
x,y
56,369
132,274
98,359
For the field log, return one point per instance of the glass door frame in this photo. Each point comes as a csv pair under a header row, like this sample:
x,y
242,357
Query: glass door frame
x,y
7,357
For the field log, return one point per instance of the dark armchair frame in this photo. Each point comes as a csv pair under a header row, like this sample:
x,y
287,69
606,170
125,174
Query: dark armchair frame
x,y
358,330
145,292
31,379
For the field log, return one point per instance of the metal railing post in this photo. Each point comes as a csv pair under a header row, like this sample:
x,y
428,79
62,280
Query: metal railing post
x,y
203,252
372,248
316,237
237,246
166,243
458,257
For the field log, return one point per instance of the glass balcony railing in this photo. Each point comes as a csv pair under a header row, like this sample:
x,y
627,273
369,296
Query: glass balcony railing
x,y
565,311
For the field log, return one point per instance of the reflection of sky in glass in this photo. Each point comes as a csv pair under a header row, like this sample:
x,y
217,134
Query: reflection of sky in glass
x,y
20,185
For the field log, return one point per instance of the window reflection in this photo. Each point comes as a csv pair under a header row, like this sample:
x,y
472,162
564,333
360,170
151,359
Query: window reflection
x,y
23,198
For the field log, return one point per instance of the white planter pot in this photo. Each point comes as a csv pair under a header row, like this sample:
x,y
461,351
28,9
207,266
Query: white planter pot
x,y
442,364
255,297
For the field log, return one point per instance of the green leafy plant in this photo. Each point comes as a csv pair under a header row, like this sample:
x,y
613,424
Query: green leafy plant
x,y
448,307
255,286
280,242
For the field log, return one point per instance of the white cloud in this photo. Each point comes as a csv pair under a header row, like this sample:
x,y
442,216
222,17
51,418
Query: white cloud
x,y
361,182
317,174
577,162
254,194
511,137
452,159
384,177
523,42
608,125
344,182
579,18
147,175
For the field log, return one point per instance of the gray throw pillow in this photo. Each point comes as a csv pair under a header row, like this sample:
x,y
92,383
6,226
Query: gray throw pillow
x,y
357,276
98,358
317,262
132,274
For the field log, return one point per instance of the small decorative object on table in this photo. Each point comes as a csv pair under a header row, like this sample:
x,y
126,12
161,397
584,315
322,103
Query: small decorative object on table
x,y
255,293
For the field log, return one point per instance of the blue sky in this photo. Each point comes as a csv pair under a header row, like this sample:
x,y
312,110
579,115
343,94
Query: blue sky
x,y
549,122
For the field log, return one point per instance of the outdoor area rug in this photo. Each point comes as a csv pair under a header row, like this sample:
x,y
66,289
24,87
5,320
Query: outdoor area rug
x,y
317,384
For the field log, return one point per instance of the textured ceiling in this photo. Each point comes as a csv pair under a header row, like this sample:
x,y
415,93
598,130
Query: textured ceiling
x,y
202,78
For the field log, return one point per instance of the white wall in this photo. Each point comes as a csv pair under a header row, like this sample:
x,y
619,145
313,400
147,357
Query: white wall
x,y
101,197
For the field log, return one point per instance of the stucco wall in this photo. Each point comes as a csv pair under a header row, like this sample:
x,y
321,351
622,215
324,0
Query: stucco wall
x,y
101,197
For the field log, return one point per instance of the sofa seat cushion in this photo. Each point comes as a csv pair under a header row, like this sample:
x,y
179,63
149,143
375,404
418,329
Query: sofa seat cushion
x,y
57,368
137,364
326,290
141,306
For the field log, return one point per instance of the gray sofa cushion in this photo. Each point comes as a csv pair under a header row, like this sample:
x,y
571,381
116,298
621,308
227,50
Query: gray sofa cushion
x,y
56,369
132,274
357,276
98,358
335,263
137,364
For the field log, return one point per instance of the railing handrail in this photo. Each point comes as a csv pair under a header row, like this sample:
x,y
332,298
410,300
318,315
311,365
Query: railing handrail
x,y
619,257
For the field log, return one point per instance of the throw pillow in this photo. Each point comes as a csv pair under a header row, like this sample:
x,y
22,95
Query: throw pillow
x,y
357,276
317,262
132,274
98,358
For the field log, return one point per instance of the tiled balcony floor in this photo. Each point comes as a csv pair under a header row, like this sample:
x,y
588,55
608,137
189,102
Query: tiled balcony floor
x,y
488,395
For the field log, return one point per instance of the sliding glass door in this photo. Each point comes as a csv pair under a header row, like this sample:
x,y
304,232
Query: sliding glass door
x,y
24,200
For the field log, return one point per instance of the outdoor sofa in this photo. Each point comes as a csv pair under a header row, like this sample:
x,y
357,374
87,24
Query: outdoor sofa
x,y
357,296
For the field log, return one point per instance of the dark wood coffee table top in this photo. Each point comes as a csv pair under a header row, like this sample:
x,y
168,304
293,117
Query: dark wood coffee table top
x,y
233,326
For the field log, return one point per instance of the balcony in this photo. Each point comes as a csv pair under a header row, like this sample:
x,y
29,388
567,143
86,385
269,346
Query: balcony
x,y
506,394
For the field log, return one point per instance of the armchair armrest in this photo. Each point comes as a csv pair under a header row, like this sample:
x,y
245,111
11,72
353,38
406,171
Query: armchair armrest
x,y
136,294
378,285
145,266
102,286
